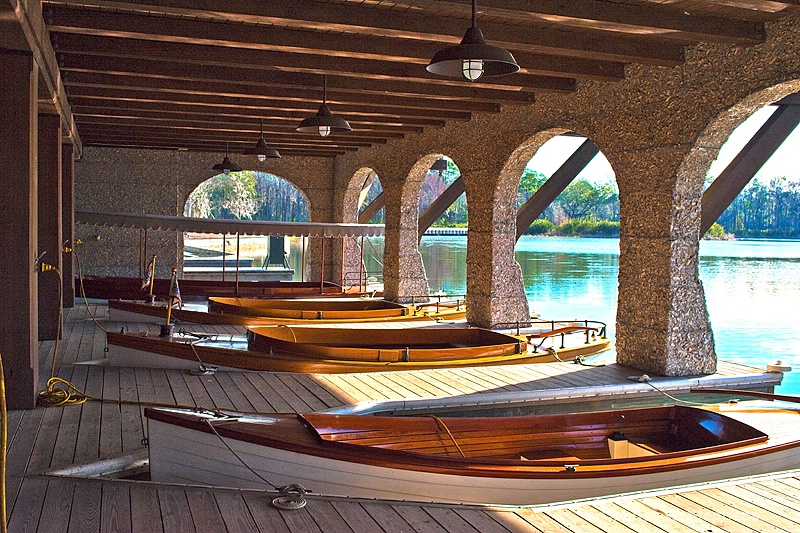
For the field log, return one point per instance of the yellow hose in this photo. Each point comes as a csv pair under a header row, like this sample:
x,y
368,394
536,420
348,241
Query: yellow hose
x,y
3,444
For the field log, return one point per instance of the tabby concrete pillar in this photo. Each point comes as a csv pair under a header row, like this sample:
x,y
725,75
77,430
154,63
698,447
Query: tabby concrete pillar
x,y
404,278
495,290
19,328
662,320
49,238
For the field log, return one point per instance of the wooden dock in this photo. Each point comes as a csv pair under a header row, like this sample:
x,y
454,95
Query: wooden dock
x,y
58,438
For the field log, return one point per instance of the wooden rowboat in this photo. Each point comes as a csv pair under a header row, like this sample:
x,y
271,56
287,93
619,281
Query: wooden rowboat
x,y
255,312
351,310
335,350
496,461
125,288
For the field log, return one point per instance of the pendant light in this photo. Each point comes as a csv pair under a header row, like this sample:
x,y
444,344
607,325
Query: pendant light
x,y
227,166
324,122
473,58
262,150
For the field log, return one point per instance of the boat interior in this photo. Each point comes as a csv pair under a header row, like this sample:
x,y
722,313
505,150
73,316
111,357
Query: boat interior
x,y
600,436
380,338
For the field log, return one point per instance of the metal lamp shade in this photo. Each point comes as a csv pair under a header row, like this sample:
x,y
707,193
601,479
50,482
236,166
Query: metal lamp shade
x,y
262,150
227,166
473,59
324,123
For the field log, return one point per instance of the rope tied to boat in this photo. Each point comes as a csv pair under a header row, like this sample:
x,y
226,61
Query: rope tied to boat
x,y
440,422
238,457
54,396
292,497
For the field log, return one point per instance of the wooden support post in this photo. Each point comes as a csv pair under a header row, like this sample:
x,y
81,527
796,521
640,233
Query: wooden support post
x,y
68,224
372,209
440,205
724,190
49,226
19,325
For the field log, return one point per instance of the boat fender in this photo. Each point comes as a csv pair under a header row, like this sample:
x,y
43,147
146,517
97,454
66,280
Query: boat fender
x,y
406,357
319,315
571,468
519,347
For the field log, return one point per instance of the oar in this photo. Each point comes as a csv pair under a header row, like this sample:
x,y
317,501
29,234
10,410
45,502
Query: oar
x,y
755,394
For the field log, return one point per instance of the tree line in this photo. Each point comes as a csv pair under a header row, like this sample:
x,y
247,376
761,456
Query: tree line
x,y
247,195
766,208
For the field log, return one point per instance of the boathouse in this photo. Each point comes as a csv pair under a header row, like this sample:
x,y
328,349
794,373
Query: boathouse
x,y
126,107
115,111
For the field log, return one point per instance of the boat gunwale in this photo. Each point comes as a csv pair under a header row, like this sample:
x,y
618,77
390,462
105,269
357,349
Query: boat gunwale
x,y
298,363
366,344
232,319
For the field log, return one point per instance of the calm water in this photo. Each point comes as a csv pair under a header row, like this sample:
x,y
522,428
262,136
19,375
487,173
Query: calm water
x,y
752,289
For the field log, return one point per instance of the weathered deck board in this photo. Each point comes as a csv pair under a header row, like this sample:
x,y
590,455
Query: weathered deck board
x,y
57,437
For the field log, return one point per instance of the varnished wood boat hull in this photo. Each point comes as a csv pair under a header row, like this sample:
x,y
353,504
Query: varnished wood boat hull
x,y
305,312
124,288
392,458
132,349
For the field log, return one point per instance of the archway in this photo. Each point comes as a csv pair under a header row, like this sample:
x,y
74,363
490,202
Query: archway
x,y
748,259
246,195
568,190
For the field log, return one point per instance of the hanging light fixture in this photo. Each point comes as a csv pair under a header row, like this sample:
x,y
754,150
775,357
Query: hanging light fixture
x,y
324,122
227,166
262,150
473,58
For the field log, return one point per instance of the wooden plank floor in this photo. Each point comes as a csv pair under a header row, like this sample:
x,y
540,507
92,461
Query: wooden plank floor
x,y
43,439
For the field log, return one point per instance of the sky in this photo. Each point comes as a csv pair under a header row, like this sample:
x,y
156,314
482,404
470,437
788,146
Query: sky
x,y
784,162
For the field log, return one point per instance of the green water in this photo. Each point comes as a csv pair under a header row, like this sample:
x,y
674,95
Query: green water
x,y
752,289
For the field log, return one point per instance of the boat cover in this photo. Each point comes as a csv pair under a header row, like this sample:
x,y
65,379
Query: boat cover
x,y
232,227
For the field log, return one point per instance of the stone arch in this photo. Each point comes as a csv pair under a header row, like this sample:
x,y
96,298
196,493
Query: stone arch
x,y
691,348
694,166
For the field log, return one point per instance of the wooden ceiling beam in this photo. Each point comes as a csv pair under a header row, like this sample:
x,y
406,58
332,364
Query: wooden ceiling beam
x,y
133,26
156,145
83,106
268,79
314,64
653,19
189,128
305,98
248,124
263,107
408,24
236,143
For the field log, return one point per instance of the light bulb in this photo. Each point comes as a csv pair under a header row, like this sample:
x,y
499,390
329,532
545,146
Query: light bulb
x,y
472,69
226,171
324,131
261,157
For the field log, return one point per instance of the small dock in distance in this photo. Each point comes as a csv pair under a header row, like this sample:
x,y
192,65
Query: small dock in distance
x,y
46,439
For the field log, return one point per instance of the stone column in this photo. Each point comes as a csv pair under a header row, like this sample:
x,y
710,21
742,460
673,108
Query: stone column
x,y
68,223
662,319
49,238
404,277
19,327
495,290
